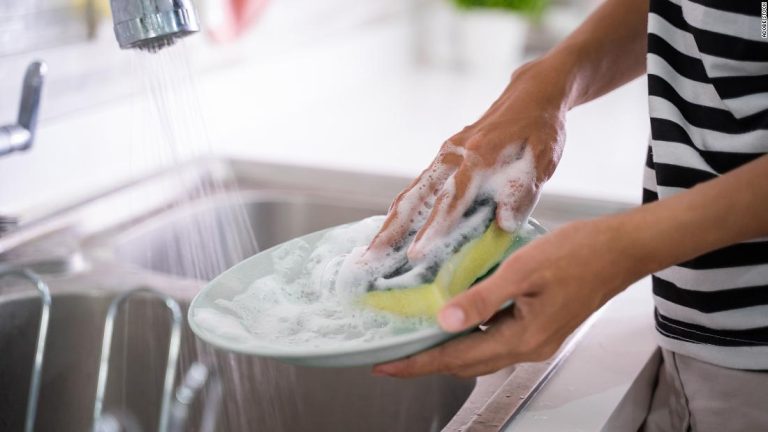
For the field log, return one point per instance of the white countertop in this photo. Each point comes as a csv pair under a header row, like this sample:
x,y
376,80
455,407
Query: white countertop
x,y
585,391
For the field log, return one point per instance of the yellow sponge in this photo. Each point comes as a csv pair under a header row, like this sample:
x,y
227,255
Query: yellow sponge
x,y
459,272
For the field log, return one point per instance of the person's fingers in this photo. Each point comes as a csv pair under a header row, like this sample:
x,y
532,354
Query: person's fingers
x,y
495,328
483,368
445,163
498,316
514,336
509,341
480,302
449,358
515,203
403,216
526,340
517,195
525,337
458,194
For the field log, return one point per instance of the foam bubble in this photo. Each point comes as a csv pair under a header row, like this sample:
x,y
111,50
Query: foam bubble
x,y
509,182
299,304
312,297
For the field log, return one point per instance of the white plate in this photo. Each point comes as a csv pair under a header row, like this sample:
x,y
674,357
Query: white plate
x,y
223,329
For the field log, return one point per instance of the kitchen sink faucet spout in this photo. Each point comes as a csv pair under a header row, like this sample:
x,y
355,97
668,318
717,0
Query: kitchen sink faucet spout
x,y
151,25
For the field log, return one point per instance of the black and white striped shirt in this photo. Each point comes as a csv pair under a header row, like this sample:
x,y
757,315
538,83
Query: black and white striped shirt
x,y
708,98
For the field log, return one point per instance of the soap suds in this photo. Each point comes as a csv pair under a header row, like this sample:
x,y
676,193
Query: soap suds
x,y
512,184
299,304
311,298
509,181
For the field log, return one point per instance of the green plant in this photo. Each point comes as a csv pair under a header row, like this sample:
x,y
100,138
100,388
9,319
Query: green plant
x,y
528,7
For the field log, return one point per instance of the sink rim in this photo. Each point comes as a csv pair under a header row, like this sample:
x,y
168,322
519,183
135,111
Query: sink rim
x,y
230,198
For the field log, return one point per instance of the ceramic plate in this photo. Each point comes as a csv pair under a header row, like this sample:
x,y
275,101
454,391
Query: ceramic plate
x,y
221,327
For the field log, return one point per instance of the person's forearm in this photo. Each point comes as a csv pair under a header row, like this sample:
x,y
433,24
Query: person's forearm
x,y
606,51
712,215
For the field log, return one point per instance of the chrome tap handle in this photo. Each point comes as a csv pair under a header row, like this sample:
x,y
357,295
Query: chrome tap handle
x,y
31,95
20,136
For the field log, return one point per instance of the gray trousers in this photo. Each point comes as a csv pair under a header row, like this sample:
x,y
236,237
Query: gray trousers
x,y
695,396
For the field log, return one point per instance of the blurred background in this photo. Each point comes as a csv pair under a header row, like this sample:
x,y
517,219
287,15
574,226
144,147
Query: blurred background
x,y
373,85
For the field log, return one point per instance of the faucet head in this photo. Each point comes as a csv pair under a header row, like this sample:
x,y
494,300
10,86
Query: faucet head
x,y
151,25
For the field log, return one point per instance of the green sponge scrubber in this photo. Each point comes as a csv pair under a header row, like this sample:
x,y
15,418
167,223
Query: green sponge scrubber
x,y
469,264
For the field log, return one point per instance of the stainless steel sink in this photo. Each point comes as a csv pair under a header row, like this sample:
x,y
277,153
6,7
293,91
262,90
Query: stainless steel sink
x,y
260,395
220,229
142,235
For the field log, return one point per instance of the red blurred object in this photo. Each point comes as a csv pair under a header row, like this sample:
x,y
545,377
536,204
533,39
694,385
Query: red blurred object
x,y
233,18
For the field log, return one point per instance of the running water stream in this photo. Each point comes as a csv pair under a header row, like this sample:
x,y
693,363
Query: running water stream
x,y
259,394
171,131
211,243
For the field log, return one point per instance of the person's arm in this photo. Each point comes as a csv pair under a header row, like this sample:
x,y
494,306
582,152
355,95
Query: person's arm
x,y
606,51
527,122
560,279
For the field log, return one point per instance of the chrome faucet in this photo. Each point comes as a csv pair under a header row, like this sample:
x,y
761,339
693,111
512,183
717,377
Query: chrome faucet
x,y
151,25
21,135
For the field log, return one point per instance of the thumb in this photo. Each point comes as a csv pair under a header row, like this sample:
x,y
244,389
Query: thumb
x,y
477,304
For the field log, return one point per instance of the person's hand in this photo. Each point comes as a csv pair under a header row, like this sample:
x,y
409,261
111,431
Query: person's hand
x,y
506,155
557,281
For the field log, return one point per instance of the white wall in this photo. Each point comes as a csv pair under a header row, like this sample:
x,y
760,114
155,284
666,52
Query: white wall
x,y
92,127
335,90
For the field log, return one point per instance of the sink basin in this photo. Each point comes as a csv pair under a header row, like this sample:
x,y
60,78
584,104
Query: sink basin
x,y
259,395
219,230
161,233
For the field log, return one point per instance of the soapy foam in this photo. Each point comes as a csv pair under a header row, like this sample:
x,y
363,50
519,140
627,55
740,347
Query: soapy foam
x,y
311,298
474,222
299,304
504,183
509,182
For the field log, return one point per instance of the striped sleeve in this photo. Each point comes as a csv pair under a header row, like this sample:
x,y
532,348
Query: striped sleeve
x,y
708,101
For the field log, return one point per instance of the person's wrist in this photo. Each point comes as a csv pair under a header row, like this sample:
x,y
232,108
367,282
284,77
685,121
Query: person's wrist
x,y
625,256
541,77
562,67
